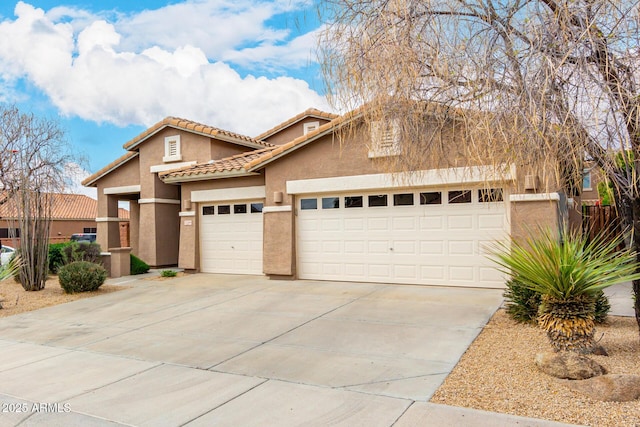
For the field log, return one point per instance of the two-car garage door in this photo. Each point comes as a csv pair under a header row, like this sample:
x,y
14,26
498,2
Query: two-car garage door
x,y
415,237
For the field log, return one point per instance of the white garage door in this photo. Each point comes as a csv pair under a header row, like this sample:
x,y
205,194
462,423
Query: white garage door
x,y
231,237
434,237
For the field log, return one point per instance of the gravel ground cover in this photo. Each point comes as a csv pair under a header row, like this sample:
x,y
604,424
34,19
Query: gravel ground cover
x,y
498,373
17,300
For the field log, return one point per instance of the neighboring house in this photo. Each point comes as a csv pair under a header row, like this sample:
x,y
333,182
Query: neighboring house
x,y
592,176
295,202
71,213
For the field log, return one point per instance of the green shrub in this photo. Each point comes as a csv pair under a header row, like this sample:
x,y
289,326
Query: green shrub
x,y
521,303
81,276
56,257
602,307
75,251
168,273
138,266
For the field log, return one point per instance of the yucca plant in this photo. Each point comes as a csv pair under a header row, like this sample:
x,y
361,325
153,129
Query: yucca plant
x,y
569,271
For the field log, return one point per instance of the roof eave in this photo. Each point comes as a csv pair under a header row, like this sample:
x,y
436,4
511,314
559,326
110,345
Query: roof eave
x,y
208,176
329,130
216,135
125,159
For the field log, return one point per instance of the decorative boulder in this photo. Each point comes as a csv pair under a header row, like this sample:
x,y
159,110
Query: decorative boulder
x,y
609,388
569,365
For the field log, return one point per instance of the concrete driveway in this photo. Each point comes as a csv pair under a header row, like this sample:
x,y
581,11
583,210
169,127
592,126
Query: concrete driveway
x,y
207,350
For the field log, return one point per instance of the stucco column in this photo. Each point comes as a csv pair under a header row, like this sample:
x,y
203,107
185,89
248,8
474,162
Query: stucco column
x,y
279,254
147,230
134,226
108,225
530,212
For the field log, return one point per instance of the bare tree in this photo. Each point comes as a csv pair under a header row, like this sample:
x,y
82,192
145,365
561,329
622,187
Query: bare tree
x,y
543,83
31,169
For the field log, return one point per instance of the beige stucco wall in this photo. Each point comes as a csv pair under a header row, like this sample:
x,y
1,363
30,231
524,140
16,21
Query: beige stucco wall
x,y
530,216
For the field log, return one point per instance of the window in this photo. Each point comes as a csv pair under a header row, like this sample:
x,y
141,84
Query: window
x,y
310,127
490,195
224,210
385,139
431,198
330,202
256,207
89,230
380,200
172,149
586,180
6,233
239,209
403,199
460,196
308,204
353,202
208,210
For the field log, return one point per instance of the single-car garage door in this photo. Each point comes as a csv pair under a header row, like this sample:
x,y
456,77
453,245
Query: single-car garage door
x,y
436,237
231,237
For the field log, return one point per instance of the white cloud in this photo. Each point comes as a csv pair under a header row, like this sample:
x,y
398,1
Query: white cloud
x,y
96,70
74,175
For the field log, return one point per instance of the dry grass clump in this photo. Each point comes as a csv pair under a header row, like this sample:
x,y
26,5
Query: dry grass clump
x,y
498,373
16,300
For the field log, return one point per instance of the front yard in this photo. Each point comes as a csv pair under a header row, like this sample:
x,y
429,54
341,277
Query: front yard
x,y
16,300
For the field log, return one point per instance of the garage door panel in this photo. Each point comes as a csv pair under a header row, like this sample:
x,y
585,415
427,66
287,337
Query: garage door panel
x,y
428,247
461,273
461,247
491,222
438,243
377,223
404,247
432,274
431,223
354,247
355,224
460,222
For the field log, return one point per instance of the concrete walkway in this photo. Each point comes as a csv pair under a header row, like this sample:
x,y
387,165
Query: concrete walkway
x,y
206,350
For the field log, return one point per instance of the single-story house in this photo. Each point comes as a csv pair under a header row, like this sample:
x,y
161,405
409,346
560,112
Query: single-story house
x,y
300,202
70,214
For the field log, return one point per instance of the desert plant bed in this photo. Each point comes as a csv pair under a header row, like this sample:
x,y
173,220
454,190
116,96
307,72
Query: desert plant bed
x,y
498,373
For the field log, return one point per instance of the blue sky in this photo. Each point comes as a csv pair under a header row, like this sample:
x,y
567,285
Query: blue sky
x,y
109,69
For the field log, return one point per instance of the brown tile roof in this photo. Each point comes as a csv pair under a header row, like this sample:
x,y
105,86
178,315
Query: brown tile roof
x,y
191,126
89,181
311,112
66,207
301,141
228,165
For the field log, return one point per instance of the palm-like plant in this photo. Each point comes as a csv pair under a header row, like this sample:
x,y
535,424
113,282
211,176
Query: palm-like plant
x,y
568,270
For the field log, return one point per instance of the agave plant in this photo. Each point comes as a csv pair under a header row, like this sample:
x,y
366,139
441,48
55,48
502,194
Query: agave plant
x,y
569,271
10,269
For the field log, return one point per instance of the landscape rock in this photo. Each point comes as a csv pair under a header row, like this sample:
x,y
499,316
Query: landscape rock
x,y
609,388
569,365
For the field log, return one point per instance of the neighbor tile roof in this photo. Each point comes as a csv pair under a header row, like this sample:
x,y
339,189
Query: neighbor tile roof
x,y
311,112
65,207
191,126
105,170
234,163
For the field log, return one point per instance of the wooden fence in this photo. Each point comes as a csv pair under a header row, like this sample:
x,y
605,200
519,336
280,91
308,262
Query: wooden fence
x,y
601,219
